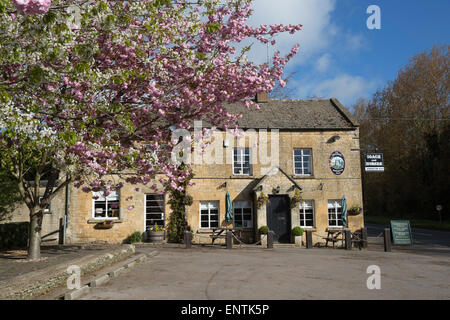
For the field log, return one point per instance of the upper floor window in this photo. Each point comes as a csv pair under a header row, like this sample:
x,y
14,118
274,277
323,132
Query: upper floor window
x,y
334,213
241,161
106,207
209,214
303,162
307,214
243,217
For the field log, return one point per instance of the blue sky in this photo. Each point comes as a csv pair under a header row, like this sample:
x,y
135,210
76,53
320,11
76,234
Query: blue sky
x,y
339,56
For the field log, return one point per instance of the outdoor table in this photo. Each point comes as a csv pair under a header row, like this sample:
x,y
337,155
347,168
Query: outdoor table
x,y
219,231
335,235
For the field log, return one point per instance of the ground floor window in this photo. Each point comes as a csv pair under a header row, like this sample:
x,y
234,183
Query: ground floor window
x,y
243,216
106,207
307,214
334,213
154,210
209,214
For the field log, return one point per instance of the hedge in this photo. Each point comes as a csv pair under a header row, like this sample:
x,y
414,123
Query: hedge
x,y
14,235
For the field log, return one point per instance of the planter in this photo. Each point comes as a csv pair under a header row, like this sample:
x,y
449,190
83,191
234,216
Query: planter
x,y
104,225
298,241
264,240
155,236
354,212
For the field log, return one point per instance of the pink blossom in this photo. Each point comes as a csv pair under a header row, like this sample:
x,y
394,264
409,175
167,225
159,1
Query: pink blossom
x,y
32,7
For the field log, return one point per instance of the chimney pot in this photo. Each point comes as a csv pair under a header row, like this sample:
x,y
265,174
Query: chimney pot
x,y
262,97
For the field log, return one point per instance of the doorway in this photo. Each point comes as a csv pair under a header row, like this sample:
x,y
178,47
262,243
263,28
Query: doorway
x,y
279,217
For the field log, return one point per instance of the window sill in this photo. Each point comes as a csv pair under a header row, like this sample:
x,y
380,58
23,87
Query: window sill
x,y
95,221
302,177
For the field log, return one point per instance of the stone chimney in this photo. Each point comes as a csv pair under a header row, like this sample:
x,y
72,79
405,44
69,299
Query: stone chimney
x,y
262,97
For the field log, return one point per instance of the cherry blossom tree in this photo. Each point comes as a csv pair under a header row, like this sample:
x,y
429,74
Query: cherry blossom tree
x,y
92,89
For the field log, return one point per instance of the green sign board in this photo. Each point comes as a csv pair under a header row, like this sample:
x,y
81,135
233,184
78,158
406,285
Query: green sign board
x,y
401,232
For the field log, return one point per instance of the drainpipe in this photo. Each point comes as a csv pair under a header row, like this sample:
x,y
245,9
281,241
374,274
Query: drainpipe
x,y
66,214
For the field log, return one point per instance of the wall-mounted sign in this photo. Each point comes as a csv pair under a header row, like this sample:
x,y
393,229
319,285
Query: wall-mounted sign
x,y
337,163
374,162
401,232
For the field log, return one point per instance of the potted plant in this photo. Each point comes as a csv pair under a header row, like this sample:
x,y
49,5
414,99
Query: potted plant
x,y
263,232
106,224
262,199
156,233
296,199
355,210
297,234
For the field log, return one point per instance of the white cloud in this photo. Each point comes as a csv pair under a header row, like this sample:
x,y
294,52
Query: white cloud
x,y
347,88
314,15
323,63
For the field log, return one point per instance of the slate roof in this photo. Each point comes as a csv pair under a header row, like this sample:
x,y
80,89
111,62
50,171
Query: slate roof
x,y
295,114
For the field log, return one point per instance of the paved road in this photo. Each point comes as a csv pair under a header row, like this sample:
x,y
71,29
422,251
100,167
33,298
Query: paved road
x,y
420,236
280,273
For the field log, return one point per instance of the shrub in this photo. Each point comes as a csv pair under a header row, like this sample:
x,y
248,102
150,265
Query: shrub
x,y
264,230
297,231
14,235
135,237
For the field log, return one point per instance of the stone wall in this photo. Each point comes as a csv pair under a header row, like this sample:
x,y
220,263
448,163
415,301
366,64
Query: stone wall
x,y
212,181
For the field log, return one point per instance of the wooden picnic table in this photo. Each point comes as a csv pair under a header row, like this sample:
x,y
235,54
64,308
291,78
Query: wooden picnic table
x,y
217,233
335,235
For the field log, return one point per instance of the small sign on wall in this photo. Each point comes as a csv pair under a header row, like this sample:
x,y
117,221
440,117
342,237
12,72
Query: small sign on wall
x,y
374,162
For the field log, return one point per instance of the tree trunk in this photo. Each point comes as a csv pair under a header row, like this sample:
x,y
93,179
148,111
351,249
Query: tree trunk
x,y
34,246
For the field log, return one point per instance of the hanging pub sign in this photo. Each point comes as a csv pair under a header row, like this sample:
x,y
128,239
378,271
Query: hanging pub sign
x,y
337,163
374,162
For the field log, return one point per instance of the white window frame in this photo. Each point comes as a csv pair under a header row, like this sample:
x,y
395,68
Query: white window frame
x,y
242,150
243,205
334,204
116,195
302,213
212,204
302,167
163,213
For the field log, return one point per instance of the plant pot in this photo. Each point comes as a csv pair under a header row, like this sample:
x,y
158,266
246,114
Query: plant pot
x,y
298,241
155,236
264,240
102,225
354,212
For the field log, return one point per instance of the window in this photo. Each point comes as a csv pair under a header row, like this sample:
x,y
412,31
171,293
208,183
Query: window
x,y
243,217
303,162
307,214
154,210
334,213
209,214
241,161
106,207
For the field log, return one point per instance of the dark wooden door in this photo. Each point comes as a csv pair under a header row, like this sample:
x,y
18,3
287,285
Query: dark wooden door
x,y
279,218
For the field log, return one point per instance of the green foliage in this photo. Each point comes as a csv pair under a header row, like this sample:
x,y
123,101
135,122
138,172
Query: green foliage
x,y
13,235
135,237
297,231
9,196
406,122
177,223
264,230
